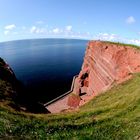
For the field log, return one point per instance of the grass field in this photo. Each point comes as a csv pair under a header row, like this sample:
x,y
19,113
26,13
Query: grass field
x,y
113,115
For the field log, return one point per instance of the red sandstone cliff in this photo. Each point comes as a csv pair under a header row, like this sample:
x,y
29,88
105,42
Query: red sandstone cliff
x,y
105,64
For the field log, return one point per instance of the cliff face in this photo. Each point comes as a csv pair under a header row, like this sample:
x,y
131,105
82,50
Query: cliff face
x,y
8,82
6,73
105,64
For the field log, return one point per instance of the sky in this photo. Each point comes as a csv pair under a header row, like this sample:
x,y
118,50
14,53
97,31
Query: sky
x,y
113,20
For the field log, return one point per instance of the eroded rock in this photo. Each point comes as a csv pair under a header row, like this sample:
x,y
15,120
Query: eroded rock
x,y
105,63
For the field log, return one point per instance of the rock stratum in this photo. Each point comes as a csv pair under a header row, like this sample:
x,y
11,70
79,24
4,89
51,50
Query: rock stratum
x,y
104,65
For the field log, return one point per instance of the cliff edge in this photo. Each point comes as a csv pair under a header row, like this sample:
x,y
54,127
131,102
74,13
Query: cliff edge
x,y
105,64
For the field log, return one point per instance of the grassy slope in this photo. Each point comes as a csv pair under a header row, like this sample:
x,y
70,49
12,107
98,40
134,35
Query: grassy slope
x,y
122,44
113,115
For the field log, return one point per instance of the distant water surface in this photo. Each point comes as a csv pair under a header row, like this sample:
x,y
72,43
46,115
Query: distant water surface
x,y
45,66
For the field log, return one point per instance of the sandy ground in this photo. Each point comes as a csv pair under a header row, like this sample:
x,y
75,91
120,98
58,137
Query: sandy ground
x,y
59,105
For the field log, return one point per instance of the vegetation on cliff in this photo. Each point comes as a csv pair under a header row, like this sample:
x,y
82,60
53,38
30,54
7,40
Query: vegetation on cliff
x,y
112,115
122,44
7,82
115,114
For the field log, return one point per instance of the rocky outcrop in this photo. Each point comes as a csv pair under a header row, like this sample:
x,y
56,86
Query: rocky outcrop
x,y
8,82
73,100
105,64
6,73
13,91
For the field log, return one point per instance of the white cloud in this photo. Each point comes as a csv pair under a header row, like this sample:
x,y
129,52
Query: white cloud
x,y
56,31
41,30
6,32
134,41
116,38
33,29
10,27
130,20
106,36
62,32
68,28
37,30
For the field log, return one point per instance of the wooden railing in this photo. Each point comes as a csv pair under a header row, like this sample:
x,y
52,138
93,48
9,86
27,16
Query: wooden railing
x,y
63,95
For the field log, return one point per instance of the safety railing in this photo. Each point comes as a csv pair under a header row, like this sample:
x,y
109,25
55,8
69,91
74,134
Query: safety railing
x,y
63,95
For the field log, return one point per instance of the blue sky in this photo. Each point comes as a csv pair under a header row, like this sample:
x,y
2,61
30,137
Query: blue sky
x,y
117,20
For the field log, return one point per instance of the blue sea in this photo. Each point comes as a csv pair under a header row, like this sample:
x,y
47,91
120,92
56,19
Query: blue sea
x,y
45,66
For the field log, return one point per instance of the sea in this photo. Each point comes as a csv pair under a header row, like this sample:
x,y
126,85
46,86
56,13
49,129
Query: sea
x,y
44,66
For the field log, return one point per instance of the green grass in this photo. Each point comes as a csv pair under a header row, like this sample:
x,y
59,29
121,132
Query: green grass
x,y
114,115
122,44
6,90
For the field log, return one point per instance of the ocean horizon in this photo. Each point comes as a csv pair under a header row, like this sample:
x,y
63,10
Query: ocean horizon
x,y
44,66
